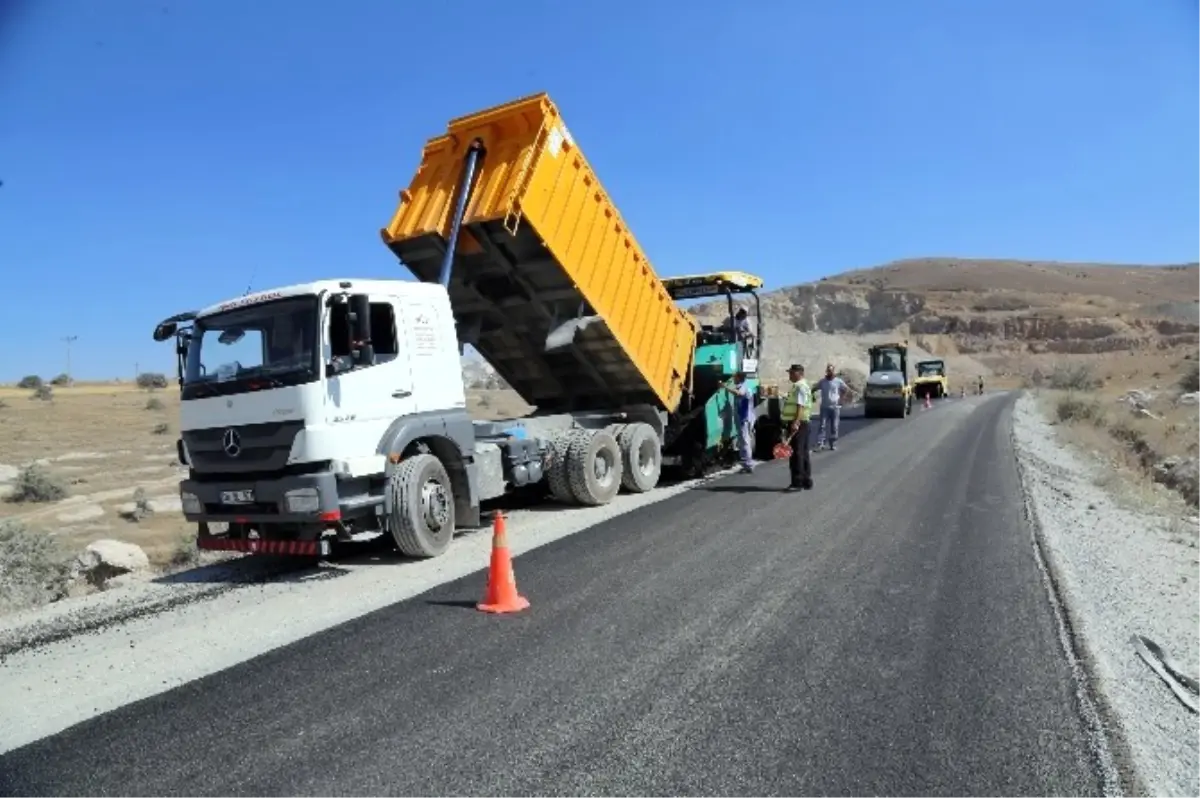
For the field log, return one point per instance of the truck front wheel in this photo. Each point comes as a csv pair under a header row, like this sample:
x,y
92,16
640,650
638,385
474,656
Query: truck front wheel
x,y
422,507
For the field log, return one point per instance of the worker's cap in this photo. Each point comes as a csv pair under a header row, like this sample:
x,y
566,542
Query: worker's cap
x,y
795,367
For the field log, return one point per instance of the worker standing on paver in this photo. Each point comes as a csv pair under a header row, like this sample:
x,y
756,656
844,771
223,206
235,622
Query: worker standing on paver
x,y
831,389
739,328
797,406
743,407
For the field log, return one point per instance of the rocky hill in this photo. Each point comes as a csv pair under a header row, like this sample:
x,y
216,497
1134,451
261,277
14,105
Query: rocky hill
x,y
984,315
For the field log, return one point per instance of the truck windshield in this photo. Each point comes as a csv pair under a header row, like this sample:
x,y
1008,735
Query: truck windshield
x,y
268,345
929,370
885,360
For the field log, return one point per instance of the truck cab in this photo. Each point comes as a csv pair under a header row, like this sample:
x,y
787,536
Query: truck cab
x,y
888,390
299,403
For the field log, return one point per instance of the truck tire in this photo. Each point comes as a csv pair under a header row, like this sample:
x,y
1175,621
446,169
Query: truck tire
x,y
594,469
556,475
641,457
422,515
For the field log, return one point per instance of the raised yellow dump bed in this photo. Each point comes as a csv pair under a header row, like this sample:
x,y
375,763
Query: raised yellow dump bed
x,y
543,250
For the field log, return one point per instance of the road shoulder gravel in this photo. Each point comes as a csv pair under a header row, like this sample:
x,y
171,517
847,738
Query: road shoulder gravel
x,y
1119,572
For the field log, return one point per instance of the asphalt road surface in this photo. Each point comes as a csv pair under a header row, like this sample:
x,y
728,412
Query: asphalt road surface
x,y
885,633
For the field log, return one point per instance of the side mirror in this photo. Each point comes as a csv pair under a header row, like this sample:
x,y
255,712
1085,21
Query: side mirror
x,y
165,330
360,323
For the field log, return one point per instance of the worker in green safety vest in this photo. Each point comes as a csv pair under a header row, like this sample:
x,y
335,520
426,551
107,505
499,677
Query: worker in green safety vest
x,y
795,413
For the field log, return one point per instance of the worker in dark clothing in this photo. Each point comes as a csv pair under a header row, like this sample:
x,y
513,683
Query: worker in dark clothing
x,y
981,385
795,414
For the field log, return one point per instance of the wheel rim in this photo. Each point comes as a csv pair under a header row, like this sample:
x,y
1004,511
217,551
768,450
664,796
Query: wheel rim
x,y
646,454
435,505
602,466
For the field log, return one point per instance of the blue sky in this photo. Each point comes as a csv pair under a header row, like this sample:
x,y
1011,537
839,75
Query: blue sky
x,y
158,155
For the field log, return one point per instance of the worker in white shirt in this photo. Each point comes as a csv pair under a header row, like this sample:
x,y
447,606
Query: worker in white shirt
x,y
831,389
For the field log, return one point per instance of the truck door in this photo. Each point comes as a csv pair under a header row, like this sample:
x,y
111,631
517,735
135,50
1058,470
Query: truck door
x,y
433,355
368,398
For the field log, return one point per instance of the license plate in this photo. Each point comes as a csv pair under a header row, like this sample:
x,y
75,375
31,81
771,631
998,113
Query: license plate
x,y
237,497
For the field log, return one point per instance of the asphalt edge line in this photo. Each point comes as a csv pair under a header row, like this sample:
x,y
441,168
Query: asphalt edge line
x,y
1093,708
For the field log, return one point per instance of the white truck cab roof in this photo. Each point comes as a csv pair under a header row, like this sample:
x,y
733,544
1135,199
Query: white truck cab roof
x,y
357,285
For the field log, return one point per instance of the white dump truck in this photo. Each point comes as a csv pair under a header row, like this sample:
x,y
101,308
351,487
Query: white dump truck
x,y
335,410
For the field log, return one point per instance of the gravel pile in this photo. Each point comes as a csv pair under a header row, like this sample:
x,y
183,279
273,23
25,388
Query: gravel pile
x,y
1120,573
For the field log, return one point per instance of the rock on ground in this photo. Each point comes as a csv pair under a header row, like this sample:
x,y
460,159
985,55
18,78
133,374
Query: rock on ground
x,y
105,559
1121,572
164,504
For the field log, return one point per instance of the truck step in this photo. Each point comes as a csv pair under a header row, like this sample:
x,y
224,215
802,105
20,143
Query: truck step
x,y
292,548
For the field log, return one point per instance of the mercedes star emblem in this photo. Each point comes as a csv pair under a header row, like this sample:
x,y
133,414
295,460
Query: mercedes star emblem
x,y
231,442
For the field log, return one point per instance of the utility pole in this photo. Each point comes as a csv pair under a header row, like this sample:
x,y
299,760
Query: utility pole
x,y
70,339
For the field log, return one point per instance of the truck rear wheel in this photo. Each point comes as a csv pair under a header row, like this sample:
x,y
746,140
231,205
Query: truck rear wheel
x,y
422,514
641,457
594,469
556,475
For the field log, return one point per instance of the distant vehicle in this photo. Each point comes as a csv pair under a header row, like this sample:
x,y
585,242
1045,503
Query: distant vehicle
x,y
888,390
931,380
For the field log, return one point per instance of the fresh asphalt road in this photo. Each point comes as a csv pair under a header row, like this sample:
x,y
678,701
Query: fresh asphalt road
x,y
885,633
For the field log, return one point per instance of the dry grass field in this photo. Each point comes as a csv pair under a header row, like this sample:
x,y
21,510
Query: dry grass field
x,y
102,443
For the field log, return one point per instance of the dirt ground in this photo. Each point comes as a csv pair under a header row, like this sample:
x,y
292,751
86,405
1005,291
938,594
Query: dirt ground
x,y
1131,432
105,441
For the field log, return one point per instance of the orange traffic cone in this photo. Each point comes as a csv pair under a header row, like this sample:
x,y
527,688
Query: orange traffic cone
x,y
928,403
501,594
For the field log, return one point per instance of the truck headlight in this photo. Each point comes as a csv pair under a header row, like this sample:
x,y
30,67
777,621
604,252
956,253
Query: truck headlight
x,y
302,500
191,503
